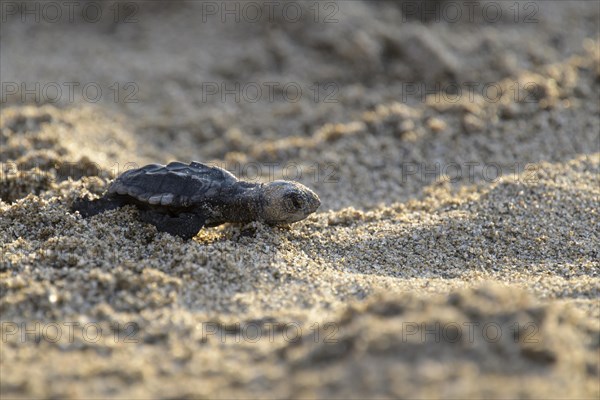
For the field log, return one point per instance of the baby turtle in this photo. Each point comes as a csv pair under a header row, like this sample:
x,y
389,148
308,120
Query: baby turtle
x,y
181,199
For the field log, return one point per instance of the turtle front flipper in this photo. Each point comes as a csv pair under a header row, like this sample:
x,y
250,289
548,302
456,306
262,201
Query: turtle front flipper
x,y
184,225
88,208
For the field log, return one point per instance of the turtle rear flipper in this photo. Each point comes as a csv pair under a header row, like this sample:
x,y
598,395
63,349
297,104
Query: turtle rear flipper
x,y
184,225
89,208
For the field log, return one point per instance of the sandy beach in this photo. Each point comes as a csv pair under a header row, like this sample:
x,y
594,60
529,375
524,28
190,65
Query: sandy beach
x,y
455,252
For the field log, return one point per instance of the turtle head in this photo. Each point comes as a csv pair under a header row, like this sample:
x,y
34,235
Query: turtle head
x,y
285,202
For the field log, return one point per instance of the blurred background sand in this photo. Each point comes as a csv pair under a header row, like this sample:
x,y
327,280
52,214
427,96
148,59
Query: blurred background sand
x,y
455,253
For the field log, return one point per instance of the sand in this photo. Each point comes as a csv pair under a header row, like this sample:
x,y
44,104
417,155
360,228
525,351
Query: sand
x,y
455,253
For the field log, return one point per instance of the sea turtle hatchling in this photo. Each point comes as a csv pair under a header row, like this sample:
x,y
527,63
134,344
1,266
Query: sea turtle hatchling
x,y
181,199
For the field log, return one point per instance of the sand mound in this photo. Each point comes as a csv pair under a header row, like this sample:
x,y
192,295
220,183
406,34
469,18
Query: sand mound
x,y
490,341
421,347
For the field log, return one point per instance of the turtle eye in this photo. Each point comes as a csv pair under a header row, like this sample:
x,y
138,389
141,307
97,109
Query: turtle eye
x,y
295,201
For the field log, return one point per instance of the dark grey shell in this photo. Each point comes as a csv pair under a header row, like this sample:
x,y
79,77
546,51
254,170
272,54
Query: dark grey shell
x,y
173,185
